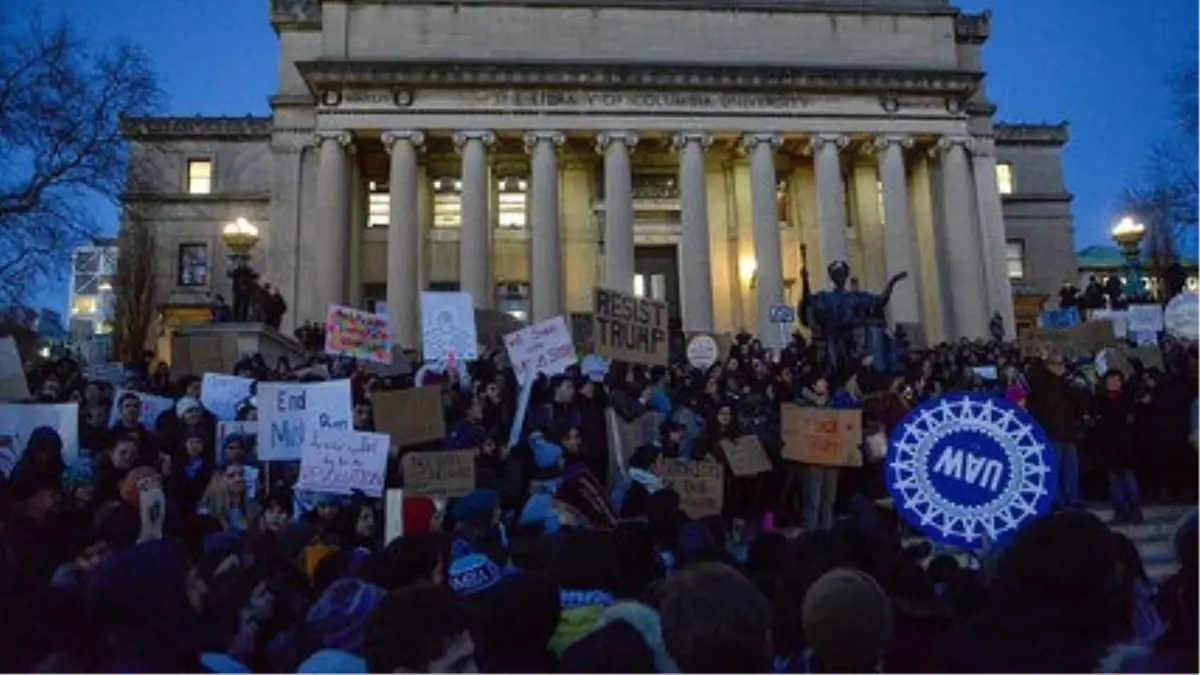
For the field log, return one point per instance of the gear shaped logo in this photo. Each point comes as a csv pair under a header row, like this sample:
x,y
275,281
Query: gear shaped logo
x,y
966,466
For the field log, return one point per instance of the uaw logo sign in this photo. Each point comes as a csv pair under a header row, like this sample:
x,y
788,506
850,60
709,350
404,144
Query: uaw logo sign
x,y
966,466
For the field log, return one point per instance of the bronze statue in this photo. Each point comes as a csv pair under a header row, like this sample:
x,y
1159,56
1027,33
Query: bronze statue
x,y
848,326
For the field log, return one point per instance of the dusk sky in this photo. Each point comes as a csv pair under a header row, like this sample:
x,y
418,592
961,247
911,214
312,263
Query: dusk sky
x,y
1099,64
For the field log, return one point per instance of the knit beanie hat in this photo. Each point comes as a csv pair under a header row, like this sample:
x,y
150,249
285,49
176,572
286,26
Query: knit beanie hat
x,y
475,505
847,619
473,573
545,454
131,484
339,617
185,404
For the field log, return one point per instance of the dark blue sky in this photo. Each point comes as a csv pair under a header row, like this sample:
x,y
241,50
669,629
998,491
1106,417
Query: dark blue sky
x,y
1098,64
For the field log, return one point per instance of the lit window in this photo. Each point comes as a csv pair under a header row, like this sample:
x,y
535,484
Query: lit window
x,y
1014,256
658,286
199,176
378,209
639,285
193,265
83,304
447,203
513,194
1004,178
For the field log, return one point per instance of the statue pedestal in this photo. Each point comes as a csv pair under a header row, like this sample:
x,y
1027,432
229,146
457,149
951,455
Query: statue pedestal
x,y
215,348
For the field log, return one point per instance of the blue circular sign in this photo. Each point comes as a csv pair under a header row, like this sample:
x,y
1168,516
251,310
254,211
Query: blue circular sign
x,y
965,466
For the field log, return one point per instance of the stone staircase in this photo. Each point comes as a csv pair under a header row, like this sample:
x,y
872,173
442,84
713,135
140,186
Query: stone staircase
x,y
1153,537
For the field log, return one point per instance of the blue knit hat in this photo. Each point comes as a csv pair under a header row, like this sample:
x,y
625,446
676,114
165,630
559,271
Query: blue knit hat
x,y
475,504
473,573
545,453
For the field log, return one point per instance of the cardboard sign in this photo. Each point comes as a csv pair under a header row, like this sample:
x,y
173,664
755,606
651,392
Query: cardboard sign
x,y
336,461
288,412
448,326
1085,339
222,394
628,328
13,386
358,334
410,416
746,456
1145,318
544,347
822,436
439,474
701,486
393,515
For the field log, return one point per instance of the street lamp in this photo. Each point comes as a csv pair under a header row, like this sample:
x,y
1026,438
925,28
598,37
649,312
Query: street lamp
x,y
240,237
1128,234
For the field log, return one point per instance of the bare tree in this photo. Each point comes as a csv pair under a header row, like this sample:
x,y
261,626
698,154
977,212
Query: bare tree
x,y
61,104
135,289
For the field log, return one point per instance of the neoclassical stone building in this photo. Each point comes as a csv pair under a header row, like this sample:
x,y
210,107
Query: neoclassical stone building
x,y
529,150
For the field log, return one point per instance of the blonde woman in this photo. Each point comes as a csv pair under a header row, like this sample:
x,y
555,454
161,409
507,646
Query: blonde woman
x,y
226,499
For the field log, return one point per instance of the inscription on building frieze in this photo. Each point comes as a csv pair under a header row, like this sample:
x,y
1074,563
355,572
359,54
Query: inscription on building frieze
x,y
645,100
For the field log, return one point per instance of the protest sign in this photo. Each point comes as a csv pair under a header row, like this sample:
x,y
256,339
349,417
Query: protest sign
x,y
625,437
700,484
968,466
745,456
245,431
1145,318
544,348
448,326
151,407
393,515
629,328
594,367
410,416
357,334
110,373
288,412
1118,317
702,352
443,473
13,386
1059,318
1182,316
986,373
822,436
222,394
18,420
340,462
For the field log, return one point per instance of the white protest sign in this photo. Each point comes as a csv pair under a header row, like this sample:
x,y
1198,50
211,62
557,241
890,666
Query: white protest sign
x,y
13,386
152,407
288,413
340,462
544,347
18,420
702,352
594,367
246,430
1118,317
1145,318
111,373
222,394
1182,318
393,515
448,326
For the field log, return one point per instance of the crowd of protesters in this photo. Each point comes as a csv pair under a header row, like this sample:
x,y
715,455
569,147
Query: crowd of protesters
x,y
247,579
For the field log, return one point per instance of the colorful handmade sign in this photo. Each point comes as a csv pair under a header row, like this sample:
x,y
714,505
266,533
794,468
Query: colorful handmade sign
x,y
358,334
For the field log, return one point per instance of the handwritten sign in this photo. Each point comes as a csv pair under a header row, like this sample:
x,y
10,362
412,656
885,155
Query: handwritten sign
x,y
410,416
151,407
339,462
222,394
358,334
448,326
701,486
544,347
289,412
13,386
439,474
18,420
822,436
629,328
746,456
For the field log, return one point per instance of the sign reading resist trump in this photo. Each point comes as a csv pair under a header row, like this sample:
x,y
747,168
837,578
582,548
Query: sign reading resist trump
x,y
628,328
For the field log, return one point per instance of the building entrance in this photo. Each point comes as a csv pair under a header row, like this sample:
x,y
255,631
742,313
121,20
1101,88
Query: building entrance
x,y
656,276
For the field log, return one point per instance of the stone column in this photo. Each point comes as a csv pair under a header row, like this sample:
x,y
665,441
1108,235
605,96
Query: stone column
x,y
404,236
767,246
333,209
831,196
546,260
474,250
962,255
696,295
899,253
618,208
995,243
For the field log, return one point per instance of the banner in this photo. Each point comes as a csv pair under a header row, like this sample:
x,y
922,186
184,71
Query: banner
x,y
358,334
1145,318
13,386
448,326
822,436
410,416
1059,318
701,486
247,431
152,407
442,473
628,328
18,420
544,347
746,456
339,462
288,412
222,394
965,466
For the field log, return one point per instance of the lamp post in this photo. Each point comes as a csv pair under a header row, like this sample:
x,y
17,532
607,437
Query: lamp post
x,y
1128,234
240,237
